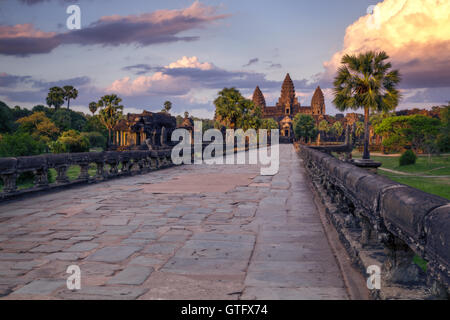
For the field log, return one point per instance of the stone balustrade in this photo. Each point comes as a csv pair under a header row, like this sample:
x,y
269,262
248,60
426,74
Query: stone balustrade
x,y
108,165
385,223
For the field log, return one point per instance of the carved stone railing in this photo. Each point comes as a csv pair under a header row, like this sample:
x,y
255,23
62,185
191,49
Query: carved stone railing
x,y
106,164
385,223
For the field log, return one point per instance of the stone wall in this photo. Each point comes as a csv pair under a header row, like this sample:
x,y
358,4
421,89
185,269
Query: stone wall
x,y
385,223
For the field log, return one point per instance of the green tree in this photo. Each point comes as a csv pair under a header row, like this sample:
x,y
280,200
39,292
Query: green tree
x,y
365,81
6,118
359,130
229,107
93,107
55,97
269,124
19,112
167,106
73,141
337,129
20,144
443,138
250,117
305,128
110,112
96,139
324,127
69,93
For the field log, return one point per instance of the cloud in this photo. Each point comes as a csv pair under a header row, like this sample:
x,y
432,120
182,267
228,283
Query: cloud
x,y
414,33
139,69
9,80
190,63
161,26
251,61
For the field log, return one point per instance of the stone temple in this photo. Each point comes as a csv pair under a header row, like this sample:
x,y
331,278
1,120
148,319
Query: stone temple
x,y
288,107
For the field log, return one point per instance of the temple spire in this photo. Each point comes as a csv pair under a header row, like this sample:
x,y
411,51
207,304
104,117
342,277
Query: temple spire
x,y
258,98
318,102
287,92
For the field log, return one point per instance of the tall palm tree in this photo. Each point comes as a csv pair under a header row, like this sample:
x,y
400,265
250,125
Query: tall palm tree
x,y
338,129
365,81
93,107
359,129
110,112
324,126
167,106
69,93
55,97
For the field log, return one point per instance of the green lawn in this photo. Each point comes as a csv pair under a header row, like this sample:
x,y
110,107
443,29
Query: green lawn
x,y
439,166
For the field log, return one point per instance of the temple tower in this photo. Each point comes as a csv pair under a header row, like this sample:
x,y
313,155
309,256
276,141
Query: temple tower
x,y
318,102
258,98
287,99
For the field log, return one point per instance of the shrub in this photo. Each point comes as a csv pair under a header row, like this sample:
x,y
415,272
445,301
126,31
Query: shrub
x,y
407,158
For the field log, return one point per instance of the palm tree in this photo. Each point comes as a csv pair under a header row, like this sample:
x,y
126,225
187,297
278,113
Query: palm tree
x,y
167,106
338,129
364,81
69,93
55,97
93,107
110,112
324,126
359,129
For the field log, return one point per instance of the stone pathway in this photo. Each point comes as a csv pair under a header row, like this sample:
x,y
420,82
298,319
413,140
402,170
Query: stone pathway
x,y
164,235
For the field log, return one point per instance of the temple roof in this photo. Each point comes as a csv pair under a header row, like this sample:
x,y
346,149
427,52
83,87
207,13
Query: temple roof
x,y
258,98
317,97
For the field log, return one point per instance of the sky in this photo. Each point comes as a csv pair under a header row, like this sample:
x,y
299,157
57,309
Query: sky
x,y
150,51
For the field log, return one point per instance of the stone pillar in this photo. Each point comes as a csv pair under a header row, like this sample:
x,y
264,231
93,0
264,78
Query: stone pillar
x,y
62,174
9,181
41,178
84,173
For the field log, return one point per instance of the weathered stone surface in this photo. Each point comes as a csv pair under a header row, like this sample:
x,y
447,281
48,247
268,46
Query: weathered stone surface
x,y
132,275
113,254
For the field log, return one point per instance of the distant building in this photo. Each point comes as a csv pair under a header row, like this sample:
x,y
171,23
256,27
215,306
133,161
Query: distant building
x,y
288,107
145,130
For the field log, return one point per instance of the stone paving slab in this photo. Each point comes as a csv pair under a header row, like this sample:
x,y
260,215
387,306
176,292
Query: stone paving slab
x,y
168,235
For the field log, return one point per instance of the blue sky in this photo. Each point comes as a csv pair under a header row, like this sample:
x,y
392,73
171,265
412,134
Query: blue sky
x,y
226,43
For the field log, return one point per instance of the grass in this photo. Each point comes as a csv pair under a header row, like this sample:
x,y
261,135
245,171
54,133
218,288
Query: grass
x,y
438,167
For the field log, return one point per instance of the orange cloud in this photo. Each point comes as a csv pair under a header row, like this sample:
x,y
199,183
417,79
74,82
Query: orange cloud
x,y
414,33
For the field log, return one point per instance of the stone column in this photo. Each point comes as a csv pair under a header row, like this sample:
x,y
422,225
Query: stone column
x,y
9,181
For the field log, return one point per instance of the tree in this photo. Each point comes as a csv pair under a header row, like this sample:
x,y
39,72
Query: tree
x,y
55,97
20,144
93,107
365,81
186,114
337,129
39,127
443,139
325,127
359,129
69,93
305,128
167,106
269,124
229,107
110,112
251,116
6,118
73,141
